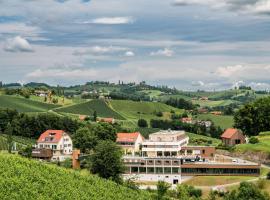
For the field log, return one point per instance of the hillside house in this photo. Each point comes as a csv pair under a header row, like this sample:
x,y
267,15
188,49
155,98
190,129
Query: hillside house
x,y
130,142
54,145
187,120
106,120
233,137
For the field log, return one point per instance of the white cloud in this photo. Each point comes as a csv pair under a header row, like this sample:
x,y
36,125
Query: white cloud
x,y
99,50
163,52
62,74
129,54
110,20
251,6
197,83
18,44
229,70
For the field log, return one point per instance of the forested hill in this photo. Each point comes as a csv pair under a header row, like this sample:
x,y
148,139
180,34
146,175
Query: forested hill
x,y
35,180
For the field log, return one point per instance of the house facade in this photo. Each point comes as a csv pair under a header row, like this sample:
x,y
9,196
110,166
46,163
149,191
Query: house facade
x,y
167,156
58,142
130,142
233,137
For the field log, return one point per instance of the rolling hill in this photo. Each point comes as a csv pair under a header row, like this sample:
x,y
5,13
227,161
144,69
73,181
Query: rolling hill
x,y
88,108
24,105
35,180
136,110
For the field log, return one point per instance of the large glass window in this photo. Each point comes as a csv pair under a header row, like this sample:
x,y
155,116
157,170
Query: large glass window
x,y
150,170
159,170
167,170
134,169
159,153
175,170
142,170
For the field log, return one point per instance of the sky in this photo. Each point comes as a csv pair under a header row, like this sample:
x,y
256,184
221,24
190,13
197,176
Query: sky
x,y
187,44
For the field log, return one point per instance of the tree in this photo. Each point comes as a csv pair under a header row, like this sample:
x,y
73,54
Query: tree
x,y
95,116
106,161
247,191
84,139
104,131
254,117
162,188
142,123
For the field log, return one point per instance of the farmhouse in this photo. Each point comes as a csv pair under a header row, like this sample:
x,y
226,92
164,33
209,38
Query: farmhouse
x,y
187,120
106,120
232,137
130,142
166,156
54,145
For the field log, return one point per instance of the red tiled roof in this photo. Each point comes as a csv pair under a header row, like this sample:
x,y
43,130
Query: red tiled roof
x,y
108,120
127,137
229,133
53,135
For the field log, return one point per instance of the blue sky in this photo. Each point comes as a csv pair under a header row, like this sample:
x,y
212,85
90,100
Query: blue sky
x,y
189,44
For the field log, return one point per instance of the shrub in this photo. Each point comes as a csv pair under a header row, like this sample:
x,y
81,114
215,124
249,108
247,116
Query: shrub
x,y
268,176
142,123
253,140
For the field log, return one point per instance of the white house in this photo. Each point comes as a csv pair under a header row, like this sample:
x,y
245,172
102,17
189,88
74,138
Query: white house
x,y
58,141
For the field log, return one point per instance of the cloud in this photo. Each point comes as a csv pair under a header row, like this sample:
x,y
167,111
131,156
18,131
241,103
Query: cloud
x,y
163,52
18,44
99,50
229,70
129,54
110,21
250,6
197,83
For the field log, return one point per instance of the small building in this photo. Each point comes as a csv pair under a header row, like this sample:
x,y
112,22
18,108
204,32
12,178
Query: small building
x,y
106,120
216,113
58,142
202,110
130,142
232,137
187,120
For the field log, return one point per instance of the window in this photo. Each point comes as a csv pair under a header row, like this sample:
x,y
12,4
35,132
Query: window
x,y
54,146
159,170
203,151
65,145
167,170
41,146
69,145
159,153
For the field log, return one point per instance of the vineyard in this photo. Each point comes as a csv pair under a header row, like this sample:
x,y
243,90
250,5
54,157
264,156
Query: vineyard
x,y
24,105
21,178
20,142
88,108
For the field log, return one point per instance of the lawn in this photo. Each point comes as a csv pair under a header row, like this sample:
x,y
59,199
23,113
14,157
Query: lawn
x,y
88,108
24,105
214,180
263,145
224,121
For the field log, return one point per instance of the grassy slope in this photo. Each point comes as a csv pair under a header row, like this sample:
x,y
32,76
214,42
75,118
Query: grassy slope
x,y
87,108
26,179
136,110
209,103
263,145
24,105
223,121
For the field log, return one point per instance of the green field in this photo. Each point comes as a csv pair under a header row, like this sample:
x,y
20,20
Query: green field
x,y
201,140
209,103
22,178
88,108
262,146
24,105
224,121
136,110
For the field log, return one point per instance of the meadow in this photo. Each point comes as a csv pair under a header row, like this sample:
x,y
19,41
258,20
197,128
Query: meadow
x,y
262,146
224,121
